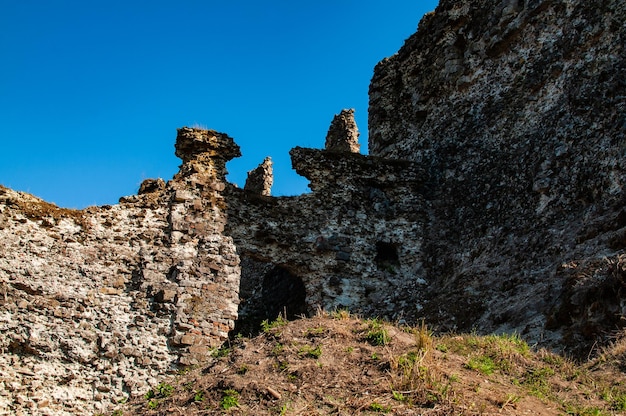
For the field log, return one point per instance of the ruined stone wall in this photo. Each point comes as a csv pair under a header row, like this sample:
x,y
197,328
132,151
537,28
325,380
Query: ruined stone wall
x,y
517,111
102,303
354,241
99,304
493,201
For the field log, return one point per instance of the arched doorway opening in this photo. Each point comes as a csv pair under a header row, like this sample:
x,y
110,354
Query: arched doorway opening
x,y
267,291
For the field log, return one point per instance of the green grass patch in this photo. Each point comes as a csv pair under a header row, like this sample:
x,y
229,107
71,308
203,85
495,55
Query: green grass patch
x,y
310,352
537,381
198,396
482,363
376,334
230,399
379,408
269,327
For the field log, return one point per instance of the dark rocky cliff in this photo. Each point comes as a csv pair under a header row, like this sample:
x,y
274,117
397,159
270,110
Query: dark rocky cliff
x,y
517,110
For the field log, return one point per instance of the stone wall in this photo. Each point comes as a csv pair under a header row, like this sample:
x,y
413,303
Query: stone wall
x,y
127,293
354,241
102,303
99,304
517,112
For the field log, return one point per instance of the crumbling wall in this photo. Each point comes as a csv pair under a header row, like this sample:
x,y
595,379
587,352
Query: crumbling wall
x,y
354,241
102,303
517,111
494,191
261,178
343,133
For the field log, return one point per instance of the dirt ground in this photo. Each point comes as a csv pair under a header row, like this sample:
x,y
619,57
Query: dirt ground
x,y
336,364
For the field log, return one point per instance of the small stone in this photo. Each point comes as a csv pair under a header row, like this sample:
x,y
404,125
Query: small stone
x,y
110,291
165,296
188,339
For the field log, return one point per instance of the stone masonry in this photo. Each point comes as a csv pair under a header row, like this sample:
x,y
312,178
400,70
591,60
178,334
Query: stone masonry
x,y
493,199
354,241
261,178
128,293
343,133
99,304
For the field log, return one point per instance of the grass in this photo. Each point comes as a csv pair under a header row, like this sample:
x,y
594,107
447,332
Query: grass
x,y
423,337
413,377
482,363
537,381
230,399
379,408
344,365
308,351
510,400
314,332
341,314
223,351
198,396
161,391
165,390
269,327
376,333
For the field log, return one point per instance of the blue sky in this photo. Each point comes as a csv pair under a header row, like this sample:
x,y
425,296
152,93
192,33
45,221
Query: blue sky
x,y
92,91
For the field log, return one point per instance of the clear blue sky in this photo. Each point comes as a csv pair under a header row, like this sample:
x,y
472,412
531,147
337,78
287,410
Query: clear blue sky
x,y
92,91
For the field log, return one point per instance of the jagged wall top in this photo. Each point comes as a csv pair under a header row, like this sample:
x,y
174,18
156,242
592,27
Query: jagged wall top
x,y
343,133
192,142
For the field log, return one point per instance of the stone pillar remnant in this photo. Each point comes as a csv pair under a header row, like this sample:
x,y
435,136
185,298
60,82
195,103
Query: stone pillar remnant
x,y
343,133
261,178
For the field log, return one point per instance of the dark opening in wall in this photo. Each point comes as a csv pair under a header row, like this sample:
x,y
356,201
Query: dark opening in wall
x,y
266,292
283,293
386,255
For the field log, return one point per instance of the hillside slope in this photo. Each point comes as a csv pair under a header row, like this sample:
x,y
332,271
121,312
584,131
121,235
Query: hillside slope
x,y
338,364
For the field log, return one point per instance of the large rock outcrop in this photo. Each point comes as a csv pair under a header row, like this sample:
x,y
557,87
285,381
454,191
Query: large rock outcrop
x,y
517,111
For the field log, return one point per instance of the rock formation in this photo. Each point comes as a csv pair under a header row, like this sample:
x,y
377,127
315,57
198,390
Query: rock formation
x,y
492,199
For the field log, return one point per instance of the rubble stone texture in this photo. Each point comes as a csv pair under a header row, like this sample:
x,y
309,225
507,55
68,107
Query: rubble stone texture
x,y
101,303
343,134
517,110
492,200
261,178
354,242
